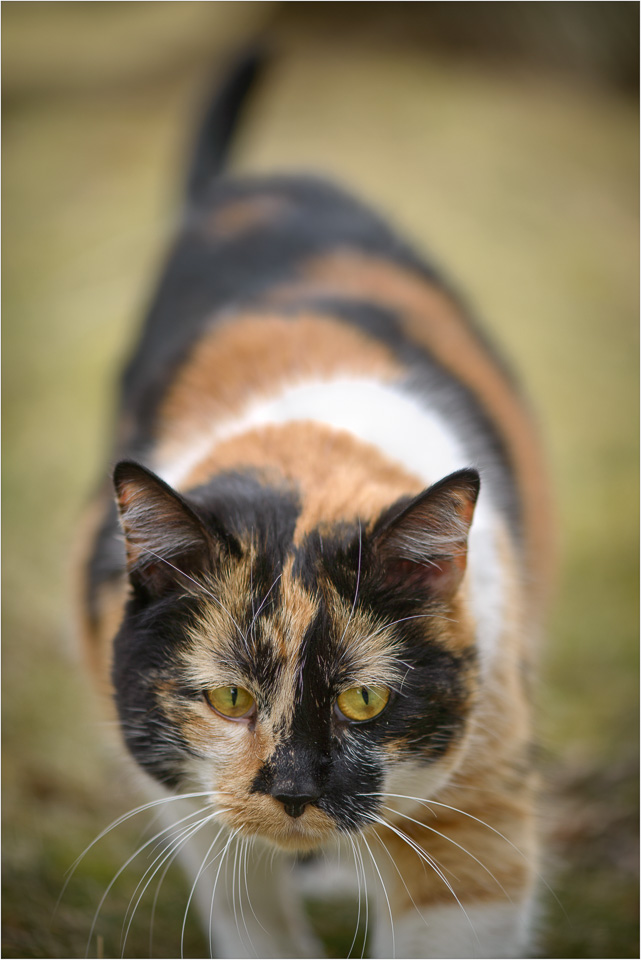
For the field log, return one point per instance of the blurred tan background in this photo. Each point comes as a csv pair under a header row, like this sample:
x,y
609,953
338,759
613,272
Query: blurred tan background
x,y
503,138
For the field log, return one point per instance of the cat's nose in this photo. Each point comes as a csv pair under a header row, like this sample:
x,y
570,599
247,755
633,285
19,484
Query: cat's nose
x,y
295,803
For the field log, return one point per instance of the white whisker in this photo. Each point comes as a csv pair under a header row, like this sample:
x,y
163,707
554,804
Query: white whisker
x,y
365,896
416,616
358,581
428,859
166,858
389,906
203,866
116,823
445,837
438,803
263,602
401,877
126,864
222,856
358,879
249,843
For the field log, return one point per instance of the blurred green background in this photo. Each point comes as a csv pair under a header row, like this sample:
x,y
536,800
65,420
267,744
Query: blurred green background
x,y
503,137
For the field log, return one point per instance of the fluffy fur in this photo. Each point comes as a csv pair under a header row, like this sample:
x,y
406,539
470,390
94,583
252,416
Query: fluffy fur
x,y
326,482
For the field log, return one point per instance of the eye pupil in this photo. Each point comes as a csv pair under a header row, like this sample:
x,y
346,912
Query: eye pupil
x,y
365,695
233,693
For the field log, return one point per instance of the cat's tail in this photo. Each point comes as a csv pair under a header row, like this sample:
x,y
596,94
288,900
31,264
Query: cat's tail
x,y
219,122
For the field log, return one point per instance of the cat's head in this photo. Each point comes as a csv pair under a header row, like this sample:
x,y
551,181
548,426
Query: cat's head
x,y
297,678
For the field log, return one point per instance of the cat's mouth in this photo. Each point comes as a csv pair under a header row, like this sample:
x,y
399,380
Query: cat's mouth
x,y
268,818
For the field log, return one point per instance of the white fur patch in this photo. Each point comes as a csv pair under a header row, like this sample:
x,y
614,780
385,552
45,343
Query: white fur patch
x,y
384,415
468,930
401,427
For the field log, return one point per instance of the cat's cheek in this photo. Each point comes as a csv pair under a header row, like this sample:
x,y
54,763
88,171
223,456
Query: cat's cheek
x,y
422,779
230,753
214,742
224,741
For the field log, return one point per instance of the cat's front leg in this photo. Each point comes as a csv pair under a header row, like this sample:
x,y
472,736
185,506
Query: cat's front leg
x,y
487,929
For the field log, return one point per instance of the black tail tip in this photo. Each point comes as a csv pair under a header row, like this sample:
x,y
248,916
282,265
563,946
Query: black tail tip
x,y
221,117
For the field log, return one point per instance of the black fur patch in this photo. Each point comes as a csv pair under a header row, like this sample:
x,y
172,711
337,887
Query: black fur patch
x,y
145,656
249,508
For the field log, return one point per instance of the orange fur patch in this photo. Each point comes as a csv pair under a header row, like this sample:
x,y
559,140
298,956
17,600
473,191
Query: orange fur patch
x,y
477,863
338,476
239,216
261,815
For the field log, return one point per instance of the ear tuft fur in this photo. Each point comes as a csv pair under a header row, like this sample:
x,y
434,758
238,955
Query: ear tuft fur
x,y
425,545
166,541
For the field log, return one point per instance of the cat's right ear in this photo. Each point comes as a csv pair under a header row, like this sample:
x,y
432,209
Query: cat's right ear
x,y
425,545
167,543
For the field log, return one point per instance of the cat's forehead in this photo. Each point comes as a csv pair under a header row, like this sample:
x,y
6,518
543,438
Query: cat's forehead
x,y
275,633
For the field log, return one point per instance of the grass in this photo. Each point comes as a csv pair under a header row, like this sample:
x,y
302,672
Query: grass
x,y
524,185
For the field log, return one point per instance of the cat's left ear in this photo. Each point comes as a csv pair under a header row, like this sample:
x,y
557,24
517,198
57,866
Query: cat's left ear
x,y
425,545
167,543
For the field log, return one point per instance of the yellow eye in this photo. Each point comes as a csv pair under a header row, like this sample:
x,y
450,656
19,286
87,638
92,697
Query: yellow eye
x,y
232,702
362,703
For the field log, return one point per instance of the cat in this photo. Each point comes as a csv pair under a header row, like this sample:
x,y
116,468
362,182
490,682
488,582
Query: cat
x,y
316,595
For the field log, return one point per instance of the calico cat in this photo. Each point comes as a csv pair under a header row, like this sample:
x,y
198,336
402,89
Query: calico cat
x,y
320,615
